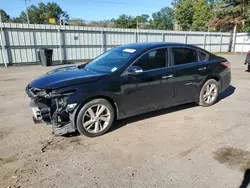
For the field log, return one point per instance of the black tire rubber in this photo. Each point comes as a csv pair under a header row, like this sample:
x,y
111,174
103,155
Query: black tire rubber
x,y
248,68
201,101
79,124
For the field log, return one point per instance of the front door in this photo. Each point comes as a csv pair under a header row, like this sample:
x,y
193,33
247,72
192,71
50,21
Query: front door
x,y
150,89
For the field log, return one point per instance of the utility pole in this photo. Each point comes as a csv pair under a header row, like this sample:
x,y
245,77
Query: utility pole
x,y
27,14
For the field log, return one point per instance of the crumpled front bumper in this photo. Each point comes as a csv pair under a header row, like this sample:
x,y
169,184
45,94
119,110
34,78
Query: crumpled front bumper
x,y
62,129
65,129
49,111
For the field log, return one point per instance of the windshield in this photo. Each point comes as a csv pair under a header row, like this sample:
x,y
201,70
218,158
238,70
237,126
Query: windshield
x,y
112,60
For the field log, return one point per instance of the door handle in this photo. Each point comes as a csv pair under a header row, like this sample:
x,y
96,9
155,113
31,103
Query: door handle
x,y
167,76
202,68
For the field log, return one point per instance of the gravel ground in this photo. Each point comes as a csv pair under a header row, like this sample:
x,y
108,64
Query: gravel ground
x,y
185,146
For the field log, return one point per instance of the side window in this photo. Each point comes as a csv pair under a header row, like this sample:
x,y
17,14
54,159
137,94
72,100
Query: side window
x,y
184,55
152,60
152,54
203,56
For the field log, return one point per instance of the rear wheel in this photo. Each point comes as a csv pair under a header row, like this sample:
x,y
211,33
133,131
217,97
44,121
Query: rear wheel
x,y
95,118
209,93
248,67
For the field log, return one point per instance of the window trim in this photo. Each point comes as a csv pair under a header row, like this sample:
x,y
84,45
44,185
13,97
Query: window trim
x,y
172,55
166,63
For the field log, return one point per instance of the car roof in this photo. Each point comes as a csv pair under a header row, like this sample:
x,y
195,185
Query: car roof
x,y
149,45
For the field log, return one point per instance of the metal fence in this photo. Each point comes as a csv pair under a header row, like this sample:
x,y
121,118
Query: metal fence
x,y
242,42
21,42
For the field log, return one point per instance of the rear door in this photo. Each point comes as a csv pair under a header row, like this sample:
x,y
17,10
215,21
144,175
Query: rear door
x,y
207,66
184,63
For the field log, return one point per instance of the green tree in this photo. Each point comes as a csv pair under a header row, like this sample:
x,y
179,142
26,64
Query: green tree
x,y
202,16
230,12
143,19
40,14
163,19
125,21
5,16
19,19
184,12
210,3
174,3
246,27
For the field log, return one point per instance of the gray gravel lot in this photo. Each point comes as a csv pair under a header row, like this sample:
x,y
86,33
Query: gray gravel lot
x,y
185,146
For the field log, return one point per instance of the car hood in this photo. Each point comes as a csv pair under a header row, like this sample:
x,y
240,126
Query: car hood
x,y
65,76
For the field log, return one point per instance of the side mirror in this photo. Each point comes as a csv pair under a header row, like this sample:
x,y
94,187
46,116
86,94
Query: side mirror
x,y
135,70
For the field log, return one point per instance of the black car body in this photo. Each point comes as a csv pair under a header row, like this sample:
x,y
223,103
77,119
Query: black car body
x,y
128,80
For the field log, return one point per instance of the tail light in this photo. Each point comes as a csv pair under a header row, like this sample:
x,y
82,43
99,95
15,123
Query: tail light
x,y
248,52
226,64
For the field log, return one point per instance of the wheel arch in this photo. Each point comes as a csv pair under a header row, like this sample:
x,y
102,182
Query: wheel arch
x,y
111,101
212,76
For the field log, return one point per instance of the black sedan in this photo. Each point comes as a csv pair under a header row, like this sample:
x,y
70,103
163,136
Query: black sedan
x,y
126,81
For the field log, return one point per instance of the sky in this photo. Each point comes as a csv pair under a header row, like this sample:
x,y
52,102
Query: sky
x,y
92,9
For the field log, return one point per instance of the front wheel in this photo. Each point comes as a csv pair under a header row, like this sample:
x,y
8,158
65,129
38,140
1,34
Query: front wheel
x,y
95,118
209,93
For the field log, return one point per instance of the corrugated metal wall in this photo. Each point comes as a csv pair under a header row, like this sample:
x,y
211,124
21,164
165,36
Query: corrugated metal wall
x,y
21,42
242,42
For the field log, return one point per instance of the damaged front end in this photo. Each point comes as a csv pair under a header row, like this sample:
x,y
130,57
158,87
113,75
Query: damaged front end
x,y
51,107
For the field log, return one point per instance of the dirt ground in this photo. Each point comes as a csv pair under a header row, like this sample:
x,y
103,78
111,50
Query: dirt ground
x,y
185,146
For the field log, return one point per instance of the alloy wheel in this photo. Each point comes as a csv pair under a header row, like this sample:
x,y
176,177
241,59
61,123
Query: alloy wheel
x,y
210,93
96,118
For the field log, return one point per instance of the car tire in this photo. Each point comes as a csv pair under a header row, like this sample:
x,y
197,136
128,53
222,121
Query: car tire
x,y
90,122
209,93
248,68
